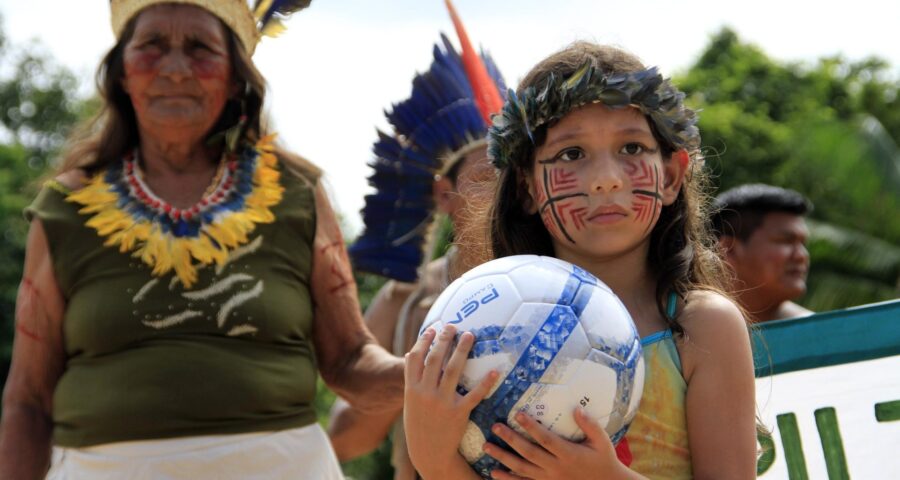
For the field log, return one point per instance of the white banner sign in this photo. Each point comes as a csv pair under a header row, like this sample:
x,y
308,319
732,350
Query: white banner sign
x,y
834,422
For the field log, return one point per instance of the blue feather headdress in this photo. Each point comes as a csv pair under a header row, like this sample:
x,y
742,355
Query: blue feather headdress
x,y
432,128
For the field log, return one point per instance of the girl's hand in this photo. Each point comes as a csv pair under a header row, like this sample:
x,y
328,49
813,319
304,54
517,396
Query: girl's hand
x,y
434,414
552,457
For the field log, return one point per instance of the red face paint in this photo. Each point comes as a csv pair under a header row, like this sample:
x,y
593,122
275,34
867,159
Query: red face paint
x,y
641,174
557,208
570,214
683,158
647,202
561,180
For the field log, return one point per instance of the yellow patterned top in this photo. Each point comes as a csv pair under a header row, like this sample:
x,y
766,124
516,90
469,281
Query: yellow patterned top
x,y
657,438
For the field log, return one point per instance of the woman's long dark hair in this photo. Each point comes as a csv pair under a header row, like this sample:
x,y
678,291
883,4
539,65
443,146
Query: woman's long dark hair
x,y
682,254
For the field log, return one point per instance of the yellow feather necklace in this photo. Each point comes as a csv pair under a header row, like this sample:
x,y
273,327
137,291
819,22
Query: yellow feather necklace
x,y
132,218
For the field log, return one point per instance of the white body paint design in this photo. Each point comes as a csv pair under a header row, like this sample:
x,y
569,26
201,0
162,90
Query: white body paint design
x,y
218,287
240,252
230,284
237,300
172,320
242,330
144,290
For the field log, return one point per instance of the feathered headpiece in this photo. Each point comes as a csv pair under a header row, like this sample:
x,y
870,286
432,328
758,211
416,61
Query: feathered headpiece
x,y
445,117
264,19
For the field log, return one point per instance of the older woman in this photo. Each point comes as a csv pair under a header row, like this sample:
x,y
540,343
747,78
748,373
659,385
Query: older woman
x,y
185,281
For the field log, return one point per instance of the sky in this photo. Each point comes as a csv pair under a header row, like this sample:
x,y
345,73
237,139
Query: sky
x,y
342,62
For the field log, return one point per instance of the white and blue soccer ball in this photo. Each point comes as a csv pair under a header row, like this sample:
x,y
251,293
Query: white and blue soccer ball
x,y
559,338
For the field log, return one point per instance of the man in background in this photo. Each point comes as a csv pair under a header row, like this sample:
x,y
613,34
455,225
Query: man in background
x,y
762,234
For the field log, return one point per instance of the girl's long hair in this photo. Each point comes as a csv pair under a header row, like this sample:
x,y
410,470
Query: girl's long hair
x,y
682,252
113,131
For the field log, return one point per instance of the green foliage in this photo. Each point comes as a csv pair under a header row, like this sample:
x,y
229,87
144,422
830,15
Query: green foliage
x,y
37,108
829,131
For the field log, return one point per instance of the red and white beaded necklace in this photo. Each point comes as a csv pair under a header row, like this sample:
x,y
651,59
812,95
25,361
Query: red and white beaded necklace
x,y
220,189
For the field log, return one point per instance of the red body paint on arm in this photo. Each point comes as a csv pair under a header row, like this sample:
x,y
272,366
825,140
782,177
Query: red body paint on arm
x,y
27,305
341,276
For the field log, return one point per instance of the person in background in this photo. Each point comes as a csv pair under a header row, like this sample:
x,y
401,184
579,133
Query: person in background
x,y
448,175
762,235
185,279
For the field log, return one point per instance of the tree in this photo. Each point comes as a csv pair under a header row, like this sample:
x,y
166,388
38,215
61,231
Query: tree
x,y
829,131
38,106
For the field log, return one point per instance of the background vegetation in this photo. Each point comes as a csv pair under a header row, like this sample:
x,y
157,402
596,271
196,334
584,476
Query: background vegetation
x,y
829,130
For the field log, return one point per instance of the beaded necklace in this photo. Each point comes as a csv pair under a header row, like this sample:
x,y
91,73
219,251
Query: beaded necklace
x,y
131,217
218,190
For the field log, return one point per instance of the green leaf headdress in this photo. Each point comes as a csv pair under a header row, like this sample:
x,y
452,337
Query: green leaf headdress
x,y
512,134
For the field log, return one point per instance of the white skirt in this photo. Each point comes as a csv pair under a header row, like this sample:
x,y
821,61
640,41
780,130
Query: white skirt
x,y
298,453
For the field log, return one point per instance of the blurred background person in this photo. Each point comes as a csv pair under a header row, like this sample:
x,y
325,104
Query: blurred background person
x,y
435,162
762,234
185,280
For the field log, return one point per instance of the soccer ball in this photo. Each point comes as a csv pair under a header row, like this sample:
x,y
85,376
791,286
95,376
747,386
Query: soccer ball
x,y
559,338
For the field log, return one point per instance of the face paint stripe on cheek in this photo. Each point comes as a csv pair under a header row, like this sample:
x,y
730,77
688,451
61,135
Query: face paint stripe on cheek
x,y
572,215
562,180
547,209
641,175
550,222
648,204
558,220
541,192
641,207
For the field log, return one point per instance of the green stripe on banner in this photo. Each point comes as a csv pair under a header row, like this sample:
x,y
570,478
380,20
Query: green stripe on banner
x,y
830,338
793,448
832,445
887,411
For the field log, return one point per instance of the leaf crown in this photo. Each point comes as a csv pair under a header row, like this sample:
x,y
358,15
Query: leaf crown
x,y
511,136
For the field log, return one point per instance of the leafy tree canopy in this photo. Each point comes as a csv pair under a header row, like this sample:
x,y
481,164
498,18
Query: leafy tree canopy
x,y
38,106
830,131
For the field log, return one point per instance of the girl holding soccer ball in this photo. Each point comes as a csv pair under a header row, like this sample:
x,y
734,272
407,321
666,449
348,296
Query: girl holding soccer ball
x,y
600,166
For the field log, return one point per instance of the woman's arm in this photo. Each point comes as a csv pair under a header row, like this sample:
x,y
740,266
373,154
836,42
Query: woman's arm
x,y
354,433
38,359
349,359
721,402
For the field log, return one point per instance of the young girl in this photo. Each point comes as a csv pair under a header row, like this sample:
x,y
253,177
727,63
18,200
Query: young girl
x,y
600,166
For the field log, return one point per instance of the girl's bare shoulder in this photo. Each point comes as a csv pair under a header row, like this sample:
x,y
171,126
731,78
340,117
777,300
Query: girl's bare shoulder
x,y
714,327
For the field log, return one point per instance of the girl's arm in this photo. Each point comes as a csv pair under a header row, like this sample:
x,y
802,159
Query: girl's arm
x,y
434,414
38,359
350,360
721,403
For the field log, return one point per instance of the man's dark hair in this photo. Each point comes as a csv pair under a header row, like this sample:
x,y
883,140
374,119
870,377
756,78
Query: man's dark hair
x,y
740,211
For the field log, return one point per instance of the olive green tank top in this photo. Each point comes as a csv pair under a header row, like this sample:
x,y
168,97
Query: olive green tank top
x,y
149,359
